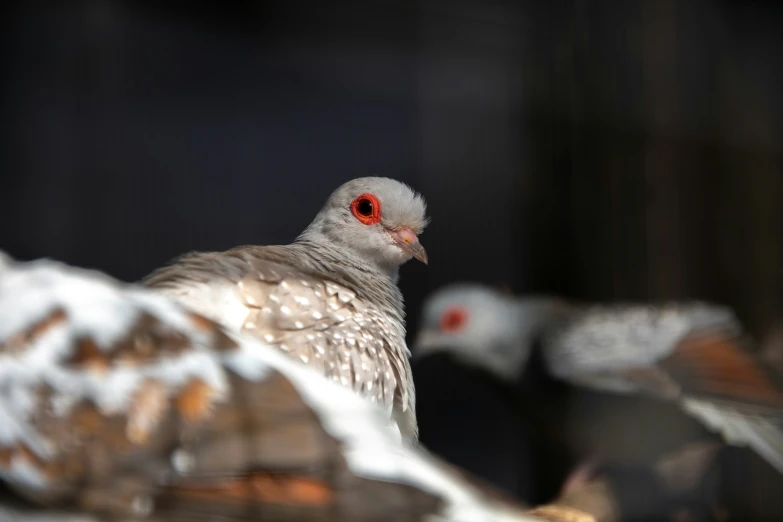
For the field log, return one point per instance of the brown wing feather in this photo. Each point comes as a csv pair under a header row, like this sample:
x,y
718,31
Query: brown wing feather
x,y
732,391
180,452
721,366
266,454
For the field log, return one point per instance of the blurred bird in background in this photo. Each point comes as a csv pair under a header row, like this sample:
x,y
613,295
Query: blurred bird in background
x,y
691,354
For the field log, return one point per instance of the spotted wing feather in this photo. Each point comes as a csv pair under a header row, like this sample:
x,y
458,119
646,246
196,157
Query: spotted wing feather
x,y
317,322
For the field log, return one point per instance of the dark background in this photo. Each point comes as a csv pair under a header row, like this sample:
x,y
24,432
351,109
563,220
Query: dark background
x,y
596,149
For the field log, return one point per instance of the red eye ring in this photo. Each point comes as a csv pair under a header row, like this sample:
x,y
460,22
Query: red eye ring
x,y
453,319
367,209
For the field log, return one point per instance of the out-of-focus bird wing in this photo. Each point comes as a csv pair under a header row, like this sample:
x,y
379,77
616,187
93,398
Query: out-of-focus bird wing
x,y
617,347
115,401
741,426
695,354
731,390
721,366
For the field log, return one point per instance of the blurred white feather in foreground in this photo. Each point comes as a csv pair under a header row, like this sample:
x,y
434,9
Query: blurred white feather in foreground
x,y
114,400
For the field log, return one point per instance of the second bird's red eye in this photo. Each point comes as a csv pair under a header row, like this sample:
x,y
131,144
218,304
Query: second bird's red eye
x,y
367,209
453,319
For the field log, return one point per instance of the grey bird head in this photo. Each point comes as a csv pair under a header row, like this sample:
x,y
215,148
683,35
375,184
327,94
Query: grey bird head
x,y
376,219
484,327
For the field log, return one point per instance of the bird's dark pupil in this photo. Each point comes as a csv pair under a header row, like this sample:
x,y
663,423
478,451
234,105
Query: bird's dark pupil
x,y
365,207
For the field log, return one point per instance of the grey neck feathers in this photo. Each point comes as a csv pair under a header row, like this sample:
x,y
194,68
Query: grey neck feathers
x,y
326,232
374,283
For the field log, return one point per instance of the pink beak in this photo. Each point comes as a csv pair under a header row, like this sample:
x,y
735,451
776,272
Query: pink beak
x,y
408,242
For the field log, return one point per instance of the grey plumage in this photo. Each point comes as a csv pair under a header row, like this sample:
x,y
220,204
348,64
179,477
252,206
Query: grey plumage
x,y
329,299
693,353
